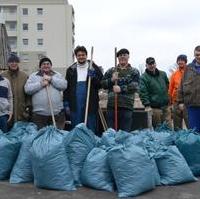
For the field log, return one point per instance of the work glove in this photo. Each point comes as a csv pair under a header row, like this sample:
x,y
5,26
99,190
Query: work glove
x,y
66,108
148,109
181,106
91,73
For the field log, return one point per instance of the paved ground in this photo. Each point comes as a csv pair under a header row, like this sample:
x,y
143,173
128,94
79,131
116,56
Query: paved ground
x,y
28,191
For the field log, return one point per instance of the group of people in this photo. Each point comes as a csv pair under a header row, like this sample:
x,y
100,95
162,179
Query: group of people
x,y
34,98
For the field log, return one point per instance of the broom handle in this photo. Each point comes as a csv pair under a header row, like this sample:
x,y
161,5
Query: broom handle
x,y
116,97
88,88
51,106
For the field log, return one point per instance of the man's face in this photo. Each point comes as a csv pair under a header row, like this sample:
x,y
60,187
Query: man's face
x,y
13,66
123,59
181,64
197,56
45,67
151,67
81,57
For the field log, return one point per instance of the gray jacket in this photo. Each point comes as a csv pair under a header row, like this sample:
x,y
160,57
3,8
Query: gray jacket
x,y
6,98
40,101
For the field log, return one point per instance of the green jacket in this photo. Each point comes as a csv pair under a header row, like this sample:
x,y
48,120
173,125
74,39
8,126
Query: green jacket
x,y
129,84
154,89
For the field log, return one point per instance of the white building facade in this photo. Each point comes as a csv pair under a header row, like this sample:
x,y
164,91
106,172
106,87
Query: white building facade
x,y
38,28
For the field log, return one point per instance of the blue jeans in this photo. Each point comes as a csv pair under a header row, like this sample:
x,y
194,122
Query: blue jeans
x,y
78,116
194,118
4,123
124,119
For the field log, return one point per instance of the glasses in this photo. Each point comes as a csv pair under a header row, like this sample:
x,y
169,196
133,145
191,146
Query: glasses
x,y
197,54
123,55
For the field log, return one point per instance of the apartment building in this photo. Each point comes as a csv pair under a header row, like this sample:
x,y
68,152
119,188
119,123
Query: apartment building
x,y
38,28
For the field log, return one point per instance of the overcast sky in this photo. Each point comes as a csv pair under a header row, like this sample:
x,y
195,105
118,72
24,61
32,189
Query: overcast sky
x,y
159,28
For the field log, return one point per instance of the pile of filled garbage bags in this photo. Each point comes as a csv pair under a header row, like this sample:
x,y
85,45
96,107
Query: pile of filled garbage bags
x,y
129,163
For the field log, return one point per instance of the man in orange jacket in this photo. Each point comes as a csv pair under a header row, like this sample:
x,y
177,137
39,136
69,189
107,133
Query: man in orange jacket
x,y
175,80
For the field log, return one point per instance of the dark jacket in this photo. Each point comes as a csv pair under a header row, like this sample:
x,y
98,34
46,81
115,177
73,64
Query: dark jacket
x,y
189,90
128,82
69,94
154,89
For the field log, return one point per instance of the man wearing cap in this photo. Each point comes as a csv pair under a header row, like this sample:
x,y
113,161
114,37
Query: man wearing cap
x,y
175,80
189,91
36,86
75,95
154,93
127,79
17,78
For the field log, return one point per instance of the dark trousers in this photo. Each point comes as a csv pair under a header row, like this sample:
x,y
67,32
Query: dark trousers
x,y
194,118
178,117
4,123
124,119
42,120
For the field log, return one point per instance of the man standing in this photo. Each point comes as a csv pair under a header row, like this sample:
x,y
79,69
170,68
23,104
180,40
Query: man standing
x,y
175,80
17,78
189,91
154,93
36,86
6,105
127,79
75,94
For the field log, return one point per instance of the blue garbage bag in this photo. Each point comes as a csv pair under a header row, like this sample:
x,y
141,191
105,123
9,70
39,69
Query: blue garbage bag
x,y
20,129
108,138
133,170
50,163
9,150
22,170
173,168
78,145
188,144
96,172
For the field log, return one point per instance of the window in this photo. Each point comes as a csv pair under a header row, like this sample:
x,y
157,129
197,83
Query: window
x,y
12,42
40,42
12,10
40,56
39,26
40,11
13,26
25,11
25,26
24,57
25,42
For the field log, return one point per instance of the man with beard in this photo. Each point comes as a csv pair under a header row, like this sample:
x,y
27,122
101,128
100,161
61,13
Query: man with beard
x,y
75,95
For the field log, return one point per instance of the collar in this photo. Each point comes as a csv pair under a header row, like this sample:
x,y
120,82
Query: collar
x,y
151,73
40,73
1,78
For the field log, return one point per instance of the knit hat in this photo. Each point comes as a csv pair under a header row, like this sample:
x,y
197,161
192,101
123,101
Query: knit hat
x,y
182,58
150,61
44,59
122,51
13,58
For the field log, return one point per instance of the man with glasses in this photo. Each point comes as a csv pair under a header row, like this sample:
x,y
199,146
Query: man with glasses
x,y
189,91
127,79
154,93
36,86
